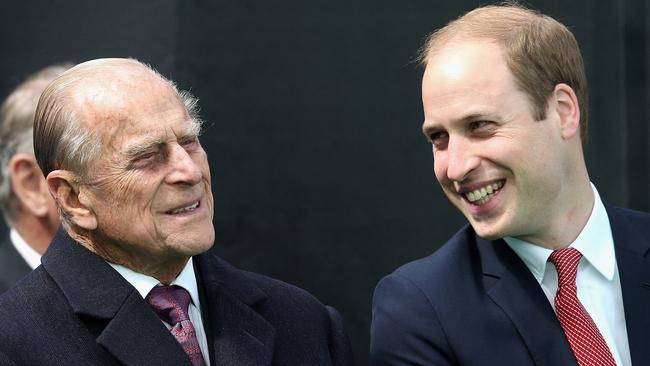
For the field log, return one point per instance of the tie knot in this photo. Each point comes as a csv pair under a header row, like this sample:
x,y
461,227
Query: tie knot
x,y
170,303
566,262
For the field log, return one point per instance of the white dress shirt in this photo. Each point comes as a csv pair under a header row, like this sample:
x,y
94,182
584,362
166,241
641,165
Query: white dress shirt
x,y
187,280
28,253
598,281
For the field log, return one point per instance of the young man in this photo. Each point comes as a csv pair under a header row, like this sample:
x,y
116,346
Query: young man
x,y
545,273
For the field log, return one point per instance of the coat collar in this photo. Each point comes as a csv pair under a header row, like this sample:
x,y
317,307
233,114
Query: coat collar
x,y
513,288
125,324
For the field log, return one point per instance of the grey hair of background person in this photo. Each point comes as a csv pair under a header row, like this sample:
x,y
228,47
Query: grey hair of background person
x,y
16,129
62,142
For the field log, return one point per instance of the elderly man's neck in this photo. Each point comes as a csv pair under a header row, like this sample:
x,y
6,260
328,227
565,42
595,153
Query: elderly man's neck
x,y
164,270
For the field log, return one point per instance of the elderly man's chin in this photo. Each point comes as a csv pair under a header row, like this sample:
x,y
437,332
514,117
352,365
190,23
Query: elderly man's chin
x,y
190,234
193,241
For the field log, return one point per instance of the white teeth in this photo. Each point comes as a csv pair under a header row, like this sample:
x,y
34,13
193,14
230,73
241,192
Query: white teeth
x,y
483,194
185,209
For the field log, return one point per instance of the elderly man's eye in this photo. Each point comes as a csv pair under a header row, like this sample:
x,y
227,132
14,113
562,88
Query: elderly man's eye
x,y
143,160
189,142
147,156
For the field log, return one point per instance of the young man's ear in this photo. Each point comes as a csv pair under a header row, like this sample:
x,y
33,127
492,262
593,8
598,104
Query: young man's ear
x,y
28,184
67,192
568,109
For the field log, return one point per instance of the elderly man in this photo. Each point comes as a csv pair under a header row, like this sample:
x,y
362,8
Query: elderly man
x,y
128,281
25,200
545,273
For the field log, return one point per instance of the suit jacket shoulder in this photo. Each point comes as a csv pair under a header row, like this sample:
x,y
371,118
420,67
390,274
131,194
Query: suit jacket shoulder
x,y
460,304
406,324
474,296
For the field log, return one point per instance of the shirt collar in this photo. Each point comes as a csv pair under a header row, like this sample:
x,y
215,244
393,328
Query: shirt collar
x,y
595,242
143,283
28,253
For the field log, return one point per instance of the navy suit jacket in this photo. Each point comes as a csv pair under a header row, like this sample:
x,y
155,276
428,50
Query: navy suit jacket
x,y
12,265
474,302
75,309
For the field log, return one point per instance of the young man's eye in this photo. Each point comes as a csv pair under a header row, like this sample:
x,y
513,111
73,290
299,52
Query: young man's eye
x,y
478,124
438,139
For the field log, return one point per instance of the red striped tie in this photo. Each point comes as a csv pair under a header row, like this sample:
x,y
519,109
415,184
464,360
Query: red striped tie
x,y
170,303
587,343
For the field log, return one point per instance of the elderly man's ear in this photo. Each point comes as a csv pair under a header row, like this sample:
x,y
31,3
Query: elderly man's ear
x,y
28,185
73,198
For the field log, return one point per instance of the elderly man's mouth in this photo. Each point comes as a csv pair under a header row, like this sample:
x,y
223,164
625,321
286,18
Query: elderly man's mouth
x,y
481,196
185,209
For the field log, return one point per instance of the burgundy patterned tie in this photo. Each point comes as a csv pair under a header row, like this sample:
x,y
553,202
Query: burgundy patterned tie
x,y
587,343
170,303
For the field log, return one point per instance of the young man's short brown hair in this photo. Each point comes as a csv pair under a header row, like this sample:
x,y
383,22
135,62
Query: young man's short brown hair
x,y
540,51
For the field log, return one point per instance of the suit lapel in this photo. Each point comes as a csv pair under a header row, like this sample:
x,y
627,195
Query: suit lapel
x,y
111,308
514,289
632,250
237,333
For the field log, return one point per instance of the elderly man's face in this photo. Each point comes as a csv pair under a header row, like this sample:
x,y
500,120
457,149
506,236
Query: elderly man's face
x,y
502,169
150,189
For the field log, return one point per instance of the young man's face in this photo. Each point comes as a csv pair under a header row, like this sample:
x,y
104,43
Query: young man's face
x,y
502,169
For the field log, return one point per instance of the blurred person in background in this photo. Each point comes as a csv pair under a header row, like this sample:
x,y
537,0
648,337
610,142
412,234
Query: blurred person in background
x,y
25,200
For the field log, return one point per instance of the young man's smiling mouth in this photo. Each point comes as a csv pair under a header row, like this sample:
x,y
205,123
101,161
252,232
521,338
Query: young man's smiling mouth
x,y
482,195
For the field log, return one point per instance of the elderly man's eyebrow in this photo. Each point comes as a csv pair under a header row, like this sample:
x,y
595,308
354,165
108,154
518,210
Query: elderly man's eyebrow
x,y
193,131
155,144
143,147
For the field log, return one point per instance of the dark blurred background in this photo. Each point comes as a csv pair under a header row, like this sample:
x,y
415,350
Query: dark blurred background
x,y
321,175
